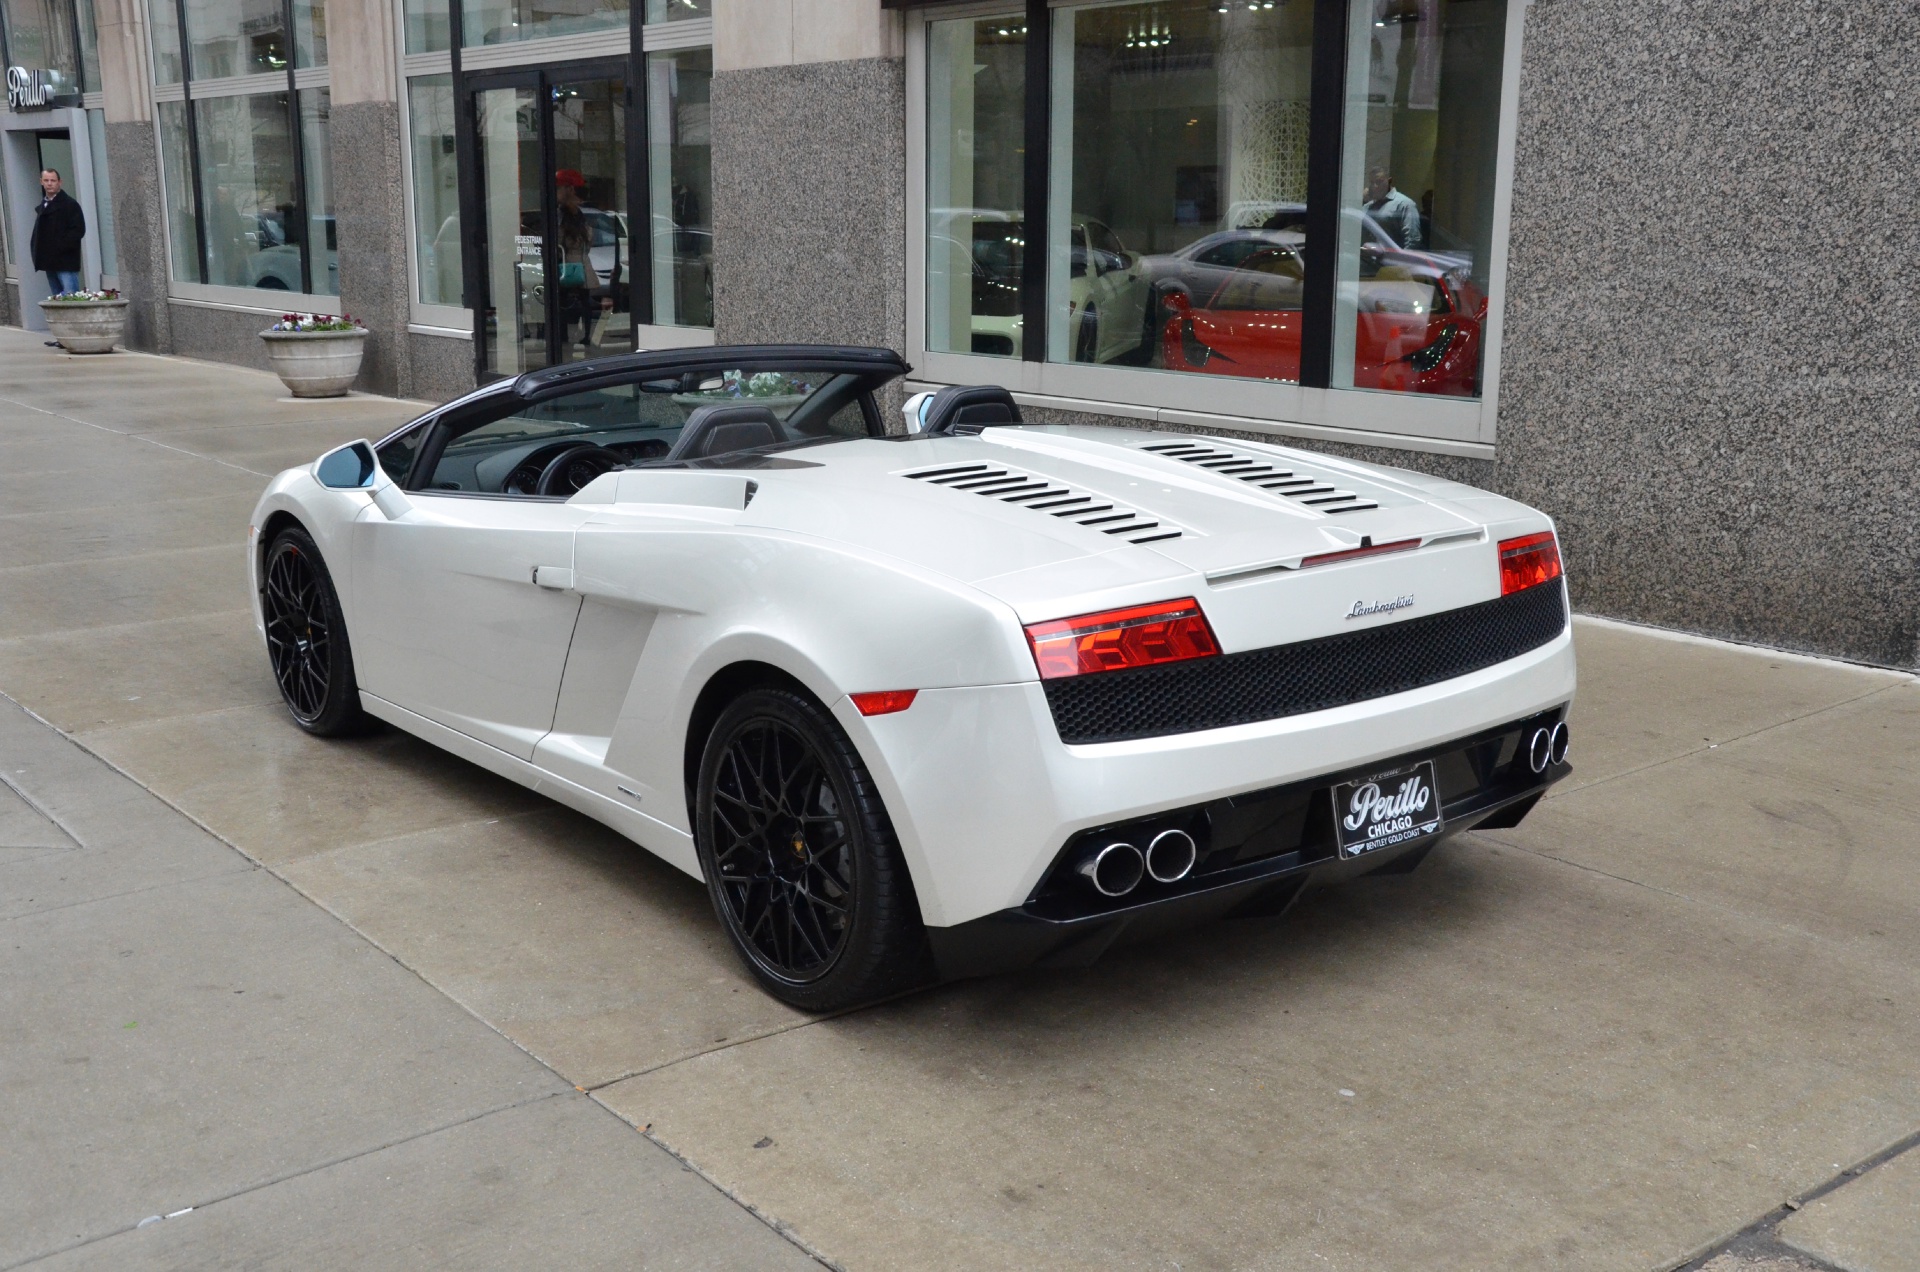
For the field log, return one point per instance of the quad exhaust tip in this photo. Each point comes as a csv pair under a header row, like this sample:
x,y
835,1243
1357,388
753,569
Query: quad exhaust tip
x,y
1115,870
1120,867
1170,856
1547,747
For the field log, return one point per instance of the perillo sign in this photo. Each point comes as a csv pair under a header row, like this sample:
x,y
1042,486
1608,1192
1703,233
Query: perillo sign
x,y
30,89
1387,809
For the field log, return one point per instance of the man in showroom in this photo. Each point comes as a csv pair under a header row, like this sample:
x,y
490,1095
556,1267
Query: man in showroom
x,y
1396,213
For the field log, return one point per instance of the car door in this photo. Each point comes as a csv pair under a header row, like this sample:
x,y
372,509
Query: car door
x,y
462,608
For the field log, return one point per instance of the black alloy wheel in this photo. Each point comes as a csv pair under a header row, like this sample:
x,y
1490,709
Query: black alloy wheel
x,y
307,638
800,857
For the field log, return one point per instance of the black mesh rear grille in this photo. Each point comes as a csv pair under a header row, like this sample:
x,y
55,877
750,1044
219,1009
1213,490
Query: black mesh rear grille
x,y
1312,675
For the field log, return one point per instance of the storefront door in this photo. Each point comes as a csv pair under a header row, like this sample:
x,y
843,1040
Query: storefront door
x,y
550,260
29,142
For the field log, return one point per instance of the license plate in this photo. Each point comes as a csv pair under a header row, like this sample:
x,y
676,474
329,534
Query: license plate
x,y
1386,809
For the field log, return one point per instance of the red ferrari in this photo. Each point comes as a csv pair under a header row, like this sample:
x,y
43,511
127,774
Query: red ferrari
x,y
1419,326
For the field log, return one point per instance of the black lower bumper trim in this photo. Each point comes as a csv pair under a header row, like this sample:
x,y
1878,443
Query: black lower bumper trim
x,y
1017,938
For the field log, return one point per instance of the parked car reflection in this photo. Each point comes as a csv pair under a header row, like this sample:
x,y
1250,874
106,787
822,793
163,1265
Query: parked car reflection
x,y
995,256
276,265
1417,328
1123,313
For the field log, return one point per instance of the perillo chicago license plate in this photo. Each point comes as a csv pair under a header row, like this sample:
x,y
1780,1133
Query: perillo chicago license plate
x,y
1386,809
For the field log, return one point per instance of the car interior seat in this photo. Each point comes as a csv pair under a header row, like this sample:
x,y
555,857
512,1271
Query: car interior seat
x,y
968,408
725,428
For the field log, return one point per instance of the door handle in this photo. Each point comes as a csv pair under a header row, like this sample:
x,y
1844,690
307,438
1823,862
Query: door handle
x,y
555,578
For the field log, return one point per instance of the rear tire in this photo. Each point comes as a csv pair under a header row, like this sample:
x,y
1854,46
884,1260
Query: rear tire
x,y
307,638
800,857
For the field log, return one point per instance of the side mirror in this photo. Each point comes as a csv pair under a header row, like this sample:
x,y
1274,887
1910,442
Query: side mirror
x,y
914,411
352,467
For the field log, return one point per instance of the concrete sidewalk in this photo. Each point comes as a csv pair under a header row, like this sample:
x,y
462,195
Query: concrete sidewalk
x,y
1683,993
186,1036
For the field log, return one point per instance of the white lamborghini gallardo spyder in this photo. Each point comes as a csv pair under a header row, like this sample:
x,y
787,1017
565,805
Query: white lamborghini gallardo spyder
x,y
973,696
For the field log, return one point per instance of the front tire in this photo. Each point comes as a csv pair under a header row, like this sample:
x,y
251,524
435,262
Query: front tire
x,y
800,856
307,638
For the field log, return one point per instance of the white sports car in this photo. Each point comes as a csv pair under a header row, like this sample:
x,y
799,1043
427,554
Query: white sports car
x,y
975,696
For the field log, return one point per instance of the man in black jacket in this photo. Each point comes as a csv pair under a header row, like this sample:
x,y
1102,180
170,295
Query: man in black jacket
x,y
58,227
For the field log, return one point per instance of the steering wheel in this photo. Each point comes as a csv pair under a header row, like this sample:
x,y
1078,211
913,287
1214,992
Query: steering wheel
x,y
574,467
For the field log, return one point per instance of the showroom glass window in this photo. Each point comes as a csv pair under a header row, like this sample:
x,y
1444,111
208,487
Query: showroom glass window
x,y
236,37
658,233
677,10
1179,162
436,188
1211,209
976,233
176,175
43,34
247,170
1421,132
247,189
484,22
106,234
680,175
428,28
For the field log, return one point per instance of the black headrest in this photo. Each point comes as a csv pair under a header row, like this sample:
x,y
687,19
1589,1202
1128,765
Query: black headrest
x,y
725,428
970,406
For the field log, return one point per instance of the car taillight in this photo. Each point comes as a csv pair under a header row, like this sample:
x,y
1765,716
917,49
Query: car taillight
x,y
1528,562
884,701
1113,640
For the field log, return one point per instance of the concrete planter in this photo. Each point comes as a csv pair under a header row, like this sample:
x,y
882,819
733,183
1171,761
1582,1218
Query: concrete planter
x,y
86,326
316,363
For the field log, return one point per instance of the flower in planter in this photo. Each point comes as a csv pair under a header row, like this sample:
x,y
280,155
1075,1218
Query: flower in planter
x,y
317,322
83,297
766,384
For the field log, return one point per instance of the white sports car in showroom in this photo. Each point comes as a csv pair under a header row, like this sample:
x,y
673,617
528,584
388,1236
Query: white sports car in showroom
x,y
979,695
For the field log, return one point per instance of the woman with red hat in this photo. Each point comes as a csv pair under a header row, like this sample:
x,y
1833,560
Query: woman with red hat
x,y
578,281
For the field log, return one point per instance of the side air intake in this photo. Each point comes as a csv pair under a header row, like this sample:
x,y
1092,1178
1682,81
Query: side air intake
x,y
1053,498
1310,491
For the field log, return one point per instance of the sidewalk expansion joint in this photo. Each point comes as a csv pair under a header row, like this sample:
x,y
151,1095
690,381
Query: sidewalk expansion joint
x,y
1758,1238
781,1228
102,628
239,545
764,1034
137,437
295,1174
144,503
52,817
238,869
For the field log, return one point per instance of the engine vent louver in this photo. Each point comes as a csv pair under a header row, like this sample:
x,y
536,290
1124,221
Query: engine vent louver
x,y
1309,491
1054,498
